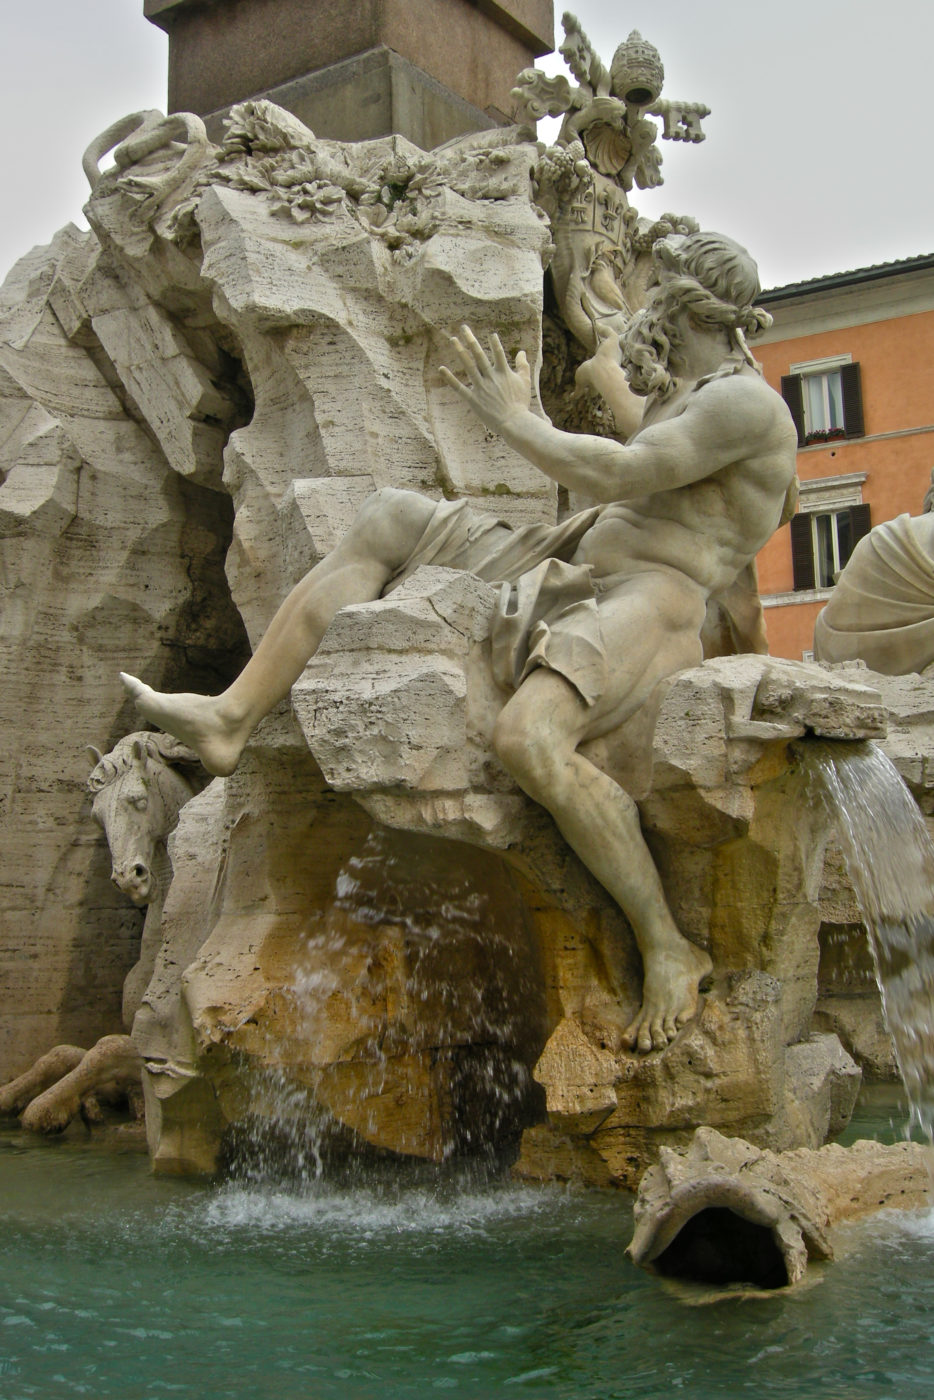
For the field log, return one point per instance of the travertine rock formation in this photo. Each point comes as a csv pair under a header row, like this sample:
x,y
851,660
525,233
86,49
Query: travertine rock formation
x,y
221,333
102,541
339,981
333,275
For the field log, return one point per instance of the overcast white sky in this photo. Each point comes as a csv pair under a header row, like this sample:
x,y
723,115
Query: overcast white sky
x,y
818,154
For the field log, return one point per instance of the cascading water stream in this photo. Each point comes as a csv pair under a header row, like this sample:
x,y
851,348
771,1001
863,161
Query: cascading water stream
x,y
408,1024
890,860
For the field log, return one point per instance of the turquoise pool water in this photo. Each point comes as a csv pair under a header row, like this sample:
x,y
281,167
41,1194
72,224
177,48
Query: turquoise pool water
x,y
115,1284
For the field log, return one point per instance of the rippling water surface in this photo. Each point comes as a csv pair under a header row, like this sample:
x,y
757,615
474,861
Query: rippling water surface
x,y
115,1284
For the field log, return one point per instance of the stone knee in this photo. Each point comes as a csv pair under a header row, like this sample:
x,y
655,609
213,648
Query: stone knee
x,y
388,525
530,750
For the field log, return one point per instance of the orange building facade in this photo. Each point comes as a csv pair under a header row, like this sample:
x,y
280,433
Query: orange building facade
x,y
853,355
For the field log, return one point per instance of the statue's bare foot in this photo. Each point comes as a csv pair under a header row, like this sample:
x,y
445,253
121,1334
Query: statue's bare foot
x,y
669,996
198,720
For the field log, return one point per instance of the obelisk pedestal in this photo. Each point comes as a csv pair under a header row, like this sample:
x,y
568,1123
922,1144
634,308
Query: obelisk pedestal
x,y
351,70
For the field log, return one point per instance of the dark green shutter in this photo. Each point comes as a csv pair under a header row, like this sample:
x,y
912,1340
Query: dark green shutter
x,y
793,395
802,551
860,522
852,401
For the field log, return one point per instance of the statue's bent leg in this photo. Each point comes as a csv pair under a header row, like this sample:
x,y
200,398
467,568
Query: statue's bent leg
x,y
537,738
383,535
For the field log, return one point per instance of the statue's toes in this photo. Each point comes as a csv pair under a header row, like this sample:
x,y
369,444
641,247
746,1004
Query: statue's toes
x,y
660,1037
629,1039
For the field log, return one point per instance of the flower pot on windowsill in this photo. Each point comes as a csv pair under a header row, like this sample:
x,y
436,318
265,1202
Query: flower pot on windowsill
x,y
823,435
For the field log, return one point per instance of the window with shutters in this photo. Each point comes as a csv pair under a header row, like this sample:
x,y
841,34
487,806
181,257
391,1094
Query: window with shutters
x,y
822,541
823,405
825,399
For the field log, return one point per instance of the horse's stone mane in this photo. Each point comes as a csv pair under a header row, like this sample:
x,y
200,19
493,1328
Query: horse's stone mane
x,y
143,743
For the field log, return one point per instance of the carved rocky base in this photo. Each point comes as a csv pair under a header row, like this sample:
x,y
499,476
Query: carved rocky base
x,y
742,875
398,990
609,1115
330,986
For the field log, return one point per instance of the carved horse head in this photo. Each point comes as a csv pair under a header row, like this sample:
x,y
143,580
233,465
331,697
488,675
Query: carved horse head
x,y
138,789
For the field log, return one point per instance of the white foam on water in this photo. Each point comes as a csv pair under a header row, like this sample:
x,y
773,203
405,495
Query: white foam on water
x,y
367,1213
916,1224
892,1236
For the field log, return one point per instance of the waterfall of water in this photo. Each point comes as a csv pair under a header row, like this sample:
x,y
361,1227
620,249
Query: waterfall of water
x,y
890,859
408,1024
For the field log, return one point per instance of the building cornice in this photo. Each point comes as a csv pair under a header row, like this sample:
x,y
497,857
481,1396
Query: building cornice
x,y
857,276
838,303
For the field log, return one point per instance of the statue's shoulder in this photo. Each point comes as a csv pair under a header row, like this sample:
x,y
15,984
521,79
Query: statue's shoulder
x,y
739,389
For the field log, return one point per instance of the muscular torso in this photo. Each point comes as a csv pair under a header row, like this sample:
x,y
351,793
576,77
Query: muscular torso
x,y
710,529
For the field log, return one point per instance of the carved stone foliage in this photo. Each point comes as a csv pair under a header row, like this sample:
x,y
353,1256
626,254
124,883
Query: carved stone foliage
x,y
390,187
393,189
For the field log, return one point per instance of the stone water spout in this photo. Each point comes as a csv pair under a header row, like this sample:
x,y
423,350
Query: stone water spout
x,y
725,1213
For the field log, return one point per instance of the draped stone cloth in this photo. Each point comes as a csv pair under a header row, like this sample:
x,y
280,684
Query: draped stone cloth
x,y
547,613
882,608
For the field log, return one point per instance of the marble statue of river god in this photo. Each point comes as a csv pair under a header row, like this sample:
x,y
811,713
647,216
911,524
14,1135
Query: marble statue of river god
x,y
606,605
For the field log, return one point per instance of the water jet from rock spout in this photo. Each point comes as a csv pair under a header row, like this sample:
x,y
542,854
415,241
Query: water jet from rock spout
x,y
890,859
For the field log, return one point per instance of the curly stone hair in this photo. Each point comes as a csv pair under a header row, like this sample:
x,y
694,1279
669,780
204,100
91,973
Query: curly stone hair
x,y
713,278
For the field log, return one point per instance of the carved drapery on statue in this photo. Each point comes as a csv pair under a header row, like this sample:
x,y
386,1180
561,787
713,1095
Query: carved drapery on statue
x,y
882,607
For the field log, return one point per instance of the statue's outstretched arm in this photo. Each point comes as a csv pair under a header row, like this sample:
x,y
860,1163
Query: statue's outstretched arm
x,y
715,429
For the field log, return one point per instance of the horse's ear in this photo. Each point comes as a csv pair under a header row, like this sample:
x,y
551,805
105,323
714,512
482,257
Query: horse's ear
x,y
96,755
138,749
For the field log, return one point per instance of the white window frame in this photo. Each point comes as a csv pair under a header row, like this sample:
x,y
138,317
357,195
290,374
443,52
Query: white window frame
x,y
822,369
817,547
829,493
